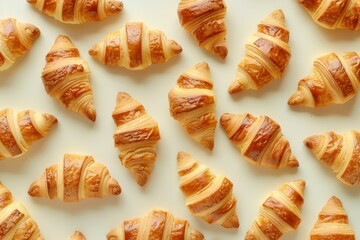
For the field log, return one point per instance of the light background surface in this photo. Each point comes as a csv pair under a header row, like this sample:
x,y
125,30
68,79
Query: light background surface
x,y
21,88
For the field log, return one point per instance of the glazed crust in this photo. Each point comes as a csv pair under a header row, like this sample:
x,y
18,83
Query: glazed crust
x,y
259,140
207,195
75,178
266,57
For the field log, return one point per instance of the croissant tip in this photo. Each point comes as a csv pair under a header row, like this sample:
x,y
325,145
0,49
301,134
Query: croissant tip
x,y
196,235
77,236
31,1
90,113
221,50
202,66
32,31
114,187
235,87
113,7
50,119
296,99
176,48
300,183
278,15
94,51
293,162
34,189
312,142
232,222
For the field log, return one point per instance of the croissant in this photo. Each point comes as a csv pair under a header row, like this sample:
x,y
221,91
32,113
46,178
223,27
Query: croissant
x,y
335,79
16,39
15,221
136,137
266,57
339,152
332,223
75,178
78,11
135,47
192,103
334,15
77,236
207,195
157,224
205,21
20,129
259,140
279,213
66,77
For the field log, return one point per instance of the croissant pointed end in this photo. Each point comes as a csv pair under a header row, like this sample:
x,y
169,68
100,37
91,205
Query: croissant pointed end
x,y
225,118
297,99
32,31
31,1
182,157
312,142
250,235
208,143
235,86
34,189
232,222
221,50
278,15
113,7
300,184
175,47
77,236
196,235
114,187
202,66
94,51
50,119
90,113
293,162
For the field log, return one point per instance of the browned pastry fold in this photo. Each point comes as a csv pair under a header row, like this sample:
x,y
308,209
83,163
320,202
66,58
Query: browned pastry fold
x,y
192,103
279,213
16,38
77,236
340,152
135,47
333,14
332,223
136,137
75,178
207,195
15,221
20,129
157,224
267,55
335,79
78,11
66,77
205,21
259,140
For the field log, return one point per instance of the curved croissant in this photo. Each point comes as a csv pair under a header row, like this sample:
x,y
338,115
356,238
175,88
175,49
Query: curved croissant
x,y
66,77
192,103
77,236
279,213
207,195
259,139
78,11
266,57
334,14
20,129
16,39
335,79
136,137
205,21
15,221
135,47
75,178
157,224
332,223
339,152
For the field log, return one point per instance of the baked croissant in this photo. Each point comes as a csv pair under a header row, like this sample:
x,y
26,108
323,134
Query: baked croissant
x,y
259,140
332,223
279,213
207,195
192,103
20,129
135,47
75,178
339,152
136,137
78,11
332,15
205,21
266,57
157,224
16,39
15,221
66,77
77,236
335,79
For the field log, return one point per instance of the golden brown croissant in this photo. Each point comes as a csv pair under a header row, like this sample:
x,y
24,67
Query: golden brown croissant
x,y
205,20
332,223
279,213
135,47
157,224
75,178
266,57
15,221
207,195
334,14
259,140
78,11
16,39
339,152
66,77
77,236
335,79
20,129
136,137
192,103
